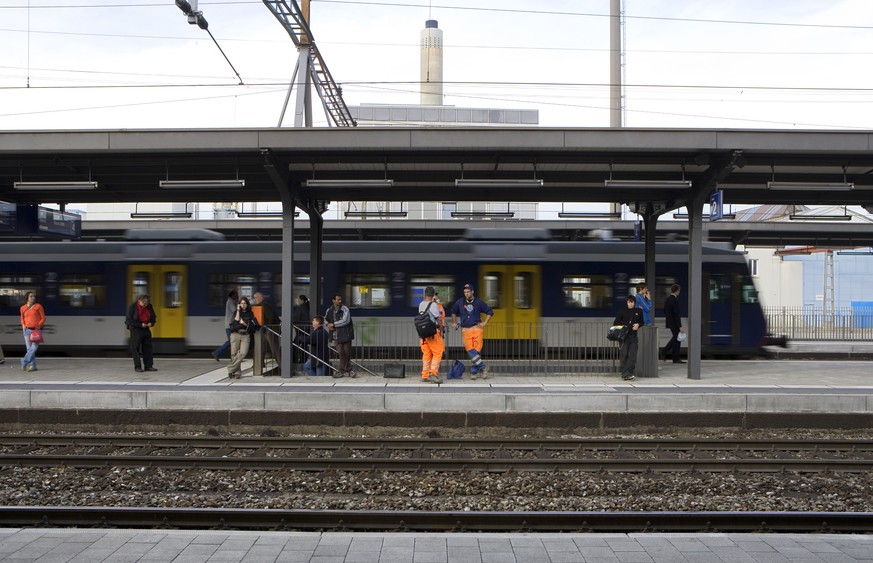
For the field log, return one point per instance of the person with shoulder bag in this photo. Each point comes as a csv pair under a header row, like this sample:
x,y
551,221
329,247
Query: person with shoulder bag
x,y
241,328
432,347
631,317
32,321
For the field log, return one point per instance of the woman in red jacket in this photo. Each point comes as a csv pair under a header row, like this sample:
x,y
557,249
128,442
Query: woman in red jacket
x,y
32,318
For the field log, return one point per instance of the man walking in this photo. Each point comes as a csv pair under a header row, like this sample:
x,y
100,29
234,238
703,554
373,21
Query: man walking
x,y
674,323
270,328
432,347
470,310
229,312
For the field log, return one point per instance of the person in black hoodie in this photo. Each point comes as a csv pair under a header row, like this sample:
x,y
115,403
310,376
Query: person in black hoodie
x,y
632,318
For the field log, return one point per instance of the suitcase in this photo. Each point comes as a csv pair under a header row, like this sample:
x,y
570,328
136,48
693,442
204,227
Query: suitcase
x,y
395,371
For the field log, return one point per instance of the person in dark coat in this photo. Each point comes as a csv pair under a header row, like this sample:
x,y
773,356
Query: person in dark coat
x,y
270,328
632,318
319,342
302,325
342,329
674,323
139,320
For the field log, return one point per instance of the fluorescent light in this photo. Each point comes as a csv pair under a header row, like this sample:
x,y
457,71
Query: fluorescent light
x,y
348,183
489,183
162,215
366,214
201,184
54,186
648,184
820,217
484,214
811,186
588,215
263,213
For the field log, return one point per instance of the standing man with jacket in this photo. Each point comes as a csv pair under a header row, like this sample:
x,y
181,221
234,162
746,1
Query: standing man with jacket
x,y
432,347
470,310
270,328
139,320
339,323
674,323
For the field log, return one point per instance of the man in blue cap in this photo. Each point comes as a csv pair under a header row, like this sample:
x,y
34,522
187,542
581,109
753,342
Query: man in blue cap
x,y
470,310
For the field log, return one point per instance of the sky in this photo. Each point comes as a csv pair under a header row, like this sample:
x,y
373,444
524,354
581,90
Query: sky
x,y
125,64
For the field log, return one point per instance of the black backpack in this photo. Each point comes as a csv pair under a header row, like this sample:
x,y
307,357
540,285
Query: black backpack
x,y
424,325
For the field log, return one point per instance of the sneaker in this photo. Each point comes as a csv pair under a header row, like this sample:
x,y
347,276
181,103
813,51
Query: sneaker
x,y
474,375
483,371
338,375
30,368
2,361
214,355
137,370
151,369
433,378
628,377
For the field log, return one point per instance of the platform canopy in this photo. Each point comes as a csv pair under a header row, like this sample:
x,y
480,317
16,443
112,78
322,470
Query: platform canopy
x,y
573,165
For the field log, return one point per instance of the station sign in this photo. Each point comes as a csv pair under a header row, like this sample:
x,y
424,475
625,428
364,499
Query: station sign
x,y
716,205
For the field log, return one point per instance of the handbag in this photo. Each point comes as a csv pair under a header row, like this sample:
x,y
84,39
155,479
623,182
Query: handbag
x,y
253,326
617,333
36,336
681,337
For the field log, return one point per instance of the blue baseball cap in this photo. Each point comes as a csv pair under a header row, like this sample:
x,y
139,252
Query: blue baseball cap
x,y
469,286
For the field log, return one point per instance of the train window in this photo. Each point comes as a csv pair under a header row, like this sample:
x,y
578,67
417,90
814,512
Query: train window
x,y
368,291
719,288
301,287
13,288
662,291
749,293
491,283
83,291
141,282
219,285
523,287
444,286
172,290
587,292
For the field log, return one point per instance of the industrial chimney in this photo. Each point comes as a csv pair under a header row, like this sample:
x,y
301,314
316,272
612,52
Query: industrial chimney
x,y
431,64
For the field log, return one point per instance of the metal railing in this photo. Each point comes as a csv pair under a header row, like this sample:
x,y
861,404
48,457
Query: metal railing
x,y
809,323
559,348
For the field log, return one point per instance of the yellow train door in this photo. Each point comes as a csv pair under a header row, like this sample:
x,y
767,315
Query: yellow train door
x,y
167,285
514,292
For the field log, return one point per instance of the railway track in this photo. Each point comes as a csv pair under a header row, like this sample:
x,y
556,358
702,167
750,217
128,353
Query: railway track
x,y
422,521
445,455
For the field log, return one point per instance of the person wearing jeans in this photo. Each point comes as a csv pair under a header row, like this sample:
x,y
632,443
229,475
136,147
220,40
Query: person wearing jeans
x,y
32,318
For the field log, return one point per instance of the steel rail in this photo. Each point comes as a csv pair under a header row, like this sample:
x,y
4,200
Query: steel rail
x,y
440,465
434,521
433,443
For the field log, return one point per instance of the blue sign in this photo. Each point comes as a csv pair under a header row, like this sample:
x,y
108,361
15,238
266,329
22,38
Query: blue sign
x,y
716,205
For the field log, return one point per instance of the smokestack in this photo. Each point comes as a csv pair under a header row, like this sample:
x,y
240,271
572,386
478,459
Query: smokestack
x,y
431,64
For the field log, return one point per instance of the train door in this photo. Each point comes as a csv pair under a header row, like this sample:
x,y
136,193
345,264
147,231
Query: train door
x,y
718,308
167,285
514,292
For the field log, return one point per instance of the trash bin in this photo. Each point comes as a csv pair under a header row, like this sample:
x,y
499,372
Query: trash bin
x,y
647,352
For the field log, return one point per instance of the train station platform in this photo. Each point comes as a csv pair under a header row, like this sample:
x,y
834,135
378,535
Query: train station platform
x,y
744,393
97,545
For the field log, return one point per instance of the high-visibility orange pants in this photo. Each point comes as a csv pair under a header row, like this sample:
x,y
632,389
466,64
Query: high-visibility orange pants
x,y
473,339
432,350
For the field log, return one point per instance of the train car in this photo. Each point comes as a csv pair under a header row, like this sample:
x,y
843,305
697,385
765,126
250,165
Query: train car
x,y
541,290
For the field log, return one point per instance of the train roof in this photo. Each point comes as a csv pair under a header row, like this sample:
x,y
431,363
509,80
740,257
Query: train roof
x,y
399,251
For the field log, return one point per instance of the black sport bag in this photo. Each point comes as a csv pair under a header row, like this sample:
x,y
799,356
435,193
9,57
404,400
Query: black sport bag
x,y
617,333
424,325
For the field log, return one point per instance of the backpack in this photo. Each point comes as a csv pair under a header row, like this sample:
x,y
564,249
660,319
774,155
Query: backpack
x,y
457,371
424,325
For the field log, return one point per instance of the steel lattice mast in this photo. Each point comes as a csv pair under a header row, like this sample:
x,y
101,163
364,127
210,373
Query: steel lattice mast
x,y
309,70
